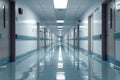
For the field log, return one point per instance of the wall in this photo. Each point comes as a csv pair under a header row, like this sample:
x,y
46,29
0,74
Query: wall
x,y
4,40
96,27
96,11
25,26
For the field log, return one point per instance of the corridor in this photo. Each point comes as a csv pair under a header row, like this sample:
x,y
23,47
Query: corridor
x,y
59,39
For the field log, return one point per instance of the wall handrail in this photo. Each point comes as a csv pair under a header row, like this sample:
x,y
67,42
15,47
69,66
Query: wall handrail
x,y
84,38
97,37
24,37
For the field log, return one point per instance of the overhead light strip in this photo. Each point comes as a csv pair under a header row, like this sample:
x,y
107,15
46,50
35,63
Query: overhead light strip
x,y
60,4
59,27
60,21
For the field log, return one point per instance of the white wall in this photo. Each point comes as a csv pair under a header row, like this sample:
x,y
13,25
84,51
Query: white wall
x,y
23,46
97,26
26,29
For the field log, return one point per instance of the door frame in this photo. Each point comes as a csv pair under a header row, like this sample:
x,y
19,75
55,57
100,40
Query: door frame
x,y
90,28
12,31
104,29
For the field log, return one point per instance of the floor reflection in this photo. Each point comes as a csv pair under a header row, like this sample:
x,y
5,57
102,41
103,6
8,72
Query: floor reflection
x,y
60,76
60,54
59,65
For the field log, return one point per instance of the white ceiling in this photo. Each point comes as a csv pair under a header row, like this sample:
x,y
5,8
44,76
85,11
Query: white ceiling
x,y
45,11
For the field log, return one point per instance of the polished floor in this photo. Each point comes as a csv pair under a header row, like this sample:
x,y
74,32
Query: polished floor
x,y
59,62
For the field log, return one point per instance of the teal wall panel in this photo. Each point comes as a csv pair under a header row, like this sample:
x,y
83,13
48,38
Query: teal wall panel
x,y
84,38
117,35
97,37
22,37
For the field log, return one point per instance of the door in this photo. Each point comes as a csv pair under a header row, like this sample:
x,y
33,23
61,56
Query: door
x,y
90,34
4,30
110,29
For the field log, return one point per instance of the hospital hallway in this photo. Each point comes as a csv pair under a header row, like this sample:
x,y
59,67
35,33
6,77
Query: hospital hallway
x,y
59,39
59,63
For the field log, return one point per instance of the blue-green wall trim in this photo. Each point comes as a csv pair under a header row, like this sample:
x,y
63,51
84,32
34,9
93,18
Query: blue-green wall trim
x,y
23,37
117,35
4,61
97,37
114,61
84,38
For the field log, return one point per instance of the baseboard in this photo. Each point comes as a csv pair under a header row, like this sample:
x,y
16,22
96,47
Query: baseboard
x,y
4,61
114,61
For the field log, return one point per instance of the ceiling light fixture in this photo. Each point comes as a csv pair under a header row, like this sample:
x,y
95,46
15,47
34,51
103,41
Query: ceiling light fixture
x,y
60,21
59,27
60,4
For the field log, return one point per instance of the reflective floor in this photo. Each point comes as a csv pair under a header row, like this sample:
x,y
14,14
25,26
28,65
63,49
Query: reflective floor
x,y
62,62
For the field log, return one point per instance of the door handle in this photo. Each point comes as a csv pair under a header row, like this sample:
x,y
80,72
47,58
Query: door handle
x,y
111,17
4,16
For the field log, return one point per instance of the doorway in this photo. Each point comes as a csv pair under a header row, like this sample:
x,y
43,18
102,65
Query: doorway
x,y
110,23
90,33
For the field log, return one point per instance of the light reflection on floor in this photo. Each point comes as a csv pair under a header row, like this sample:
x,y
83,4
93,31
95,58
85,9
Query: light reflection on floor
x,y
60,76
60,54
59,65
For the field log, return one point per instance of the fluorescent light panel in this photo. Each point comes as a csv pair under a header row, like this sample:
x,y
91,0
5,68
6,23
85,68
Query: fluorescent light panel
x,y
60,4
60,21
59,27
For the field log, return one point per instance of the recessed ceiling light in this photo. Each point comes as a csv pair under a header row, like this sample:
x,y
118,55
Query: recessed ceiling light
x,y
60,4
60,21
59,27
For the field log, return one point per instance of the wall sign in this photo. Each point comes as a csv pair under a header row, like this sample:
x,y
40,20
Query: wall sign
x,y
20,11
